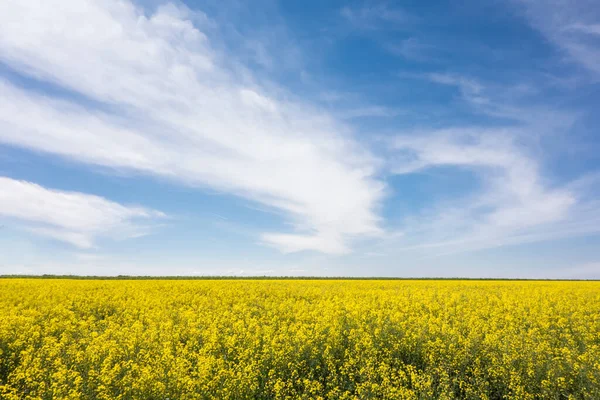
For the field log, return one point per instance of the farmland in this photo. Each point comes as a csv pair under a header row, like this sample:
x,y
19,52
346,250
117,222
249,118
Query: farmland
x,y
305,339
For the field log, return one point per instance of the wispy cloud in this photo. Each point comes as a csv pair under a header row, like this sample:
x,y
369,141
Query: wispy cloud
x,y
370,111
71,217
514,196
516,201
574,27
188,111
591,29
516,102
411,49
513,205
373,16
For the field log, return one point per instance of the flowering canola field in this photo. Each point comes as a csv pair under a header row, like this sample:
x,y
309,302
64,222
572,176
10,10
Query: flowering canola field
x,y
298,339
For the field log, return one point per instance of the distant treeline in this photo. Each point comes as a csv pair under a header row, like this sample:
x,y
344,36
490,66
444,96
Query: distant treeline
x,y
229,277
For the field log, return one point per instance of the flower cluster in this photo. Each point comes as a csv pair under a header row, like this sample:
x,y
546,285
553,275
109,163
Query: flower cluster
x,y
305,339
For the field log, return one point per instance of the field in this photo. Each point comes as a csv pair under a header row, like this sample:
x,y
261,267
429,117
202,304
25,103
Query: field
x,y
305,339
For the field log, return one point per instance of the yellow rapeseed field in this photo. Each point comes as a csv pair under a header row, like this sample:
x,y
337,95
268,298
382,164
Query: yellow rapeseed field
x,y
298,339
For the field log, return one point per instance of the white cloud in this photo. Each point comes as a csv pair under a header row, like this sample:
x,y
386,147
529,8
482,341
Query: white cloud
x,y
508,102
186,111
572,26
513,205
515,195
516,203
71,217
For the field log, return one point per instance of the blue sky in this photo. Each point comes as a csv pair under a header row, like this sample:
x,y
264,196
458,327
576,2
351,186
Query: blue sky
x,y
300,138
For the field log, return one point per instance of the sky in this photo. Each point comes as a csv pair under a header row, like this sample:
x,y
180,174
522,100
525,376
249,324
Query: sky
x,y
314,138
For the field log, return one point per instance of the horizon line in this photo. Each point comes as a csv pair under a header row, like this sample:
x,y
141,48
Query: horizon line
x,y
270,277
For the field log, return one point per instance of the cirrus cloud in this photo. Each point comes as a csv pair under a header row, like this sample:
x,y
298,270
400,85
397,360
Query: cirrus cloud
x,y
175,106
